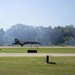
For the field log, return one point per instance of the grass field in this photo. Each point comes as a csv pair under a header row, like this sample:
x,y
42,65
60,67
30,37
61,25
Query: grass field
x,y
37,66
39,50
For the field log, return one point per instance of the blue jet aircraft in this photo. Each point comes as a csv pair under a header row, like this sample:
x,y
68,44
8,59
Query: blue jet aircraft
x,y
17,42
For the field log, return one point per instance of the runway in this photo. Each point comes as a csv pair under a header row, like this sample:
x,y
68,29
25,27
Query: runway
x,y
35,54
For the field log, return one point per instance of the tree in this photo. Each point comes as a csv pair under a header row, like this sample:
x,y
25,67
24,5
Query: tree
x,y
1,37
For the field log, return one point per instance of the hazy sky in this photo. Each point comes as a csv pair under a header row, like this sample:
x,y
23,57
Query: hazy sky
x,y
37,12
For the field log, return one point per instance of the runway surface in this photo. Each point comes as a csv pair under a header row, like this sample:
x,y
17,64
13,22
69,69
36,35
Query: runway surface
x,y
35,54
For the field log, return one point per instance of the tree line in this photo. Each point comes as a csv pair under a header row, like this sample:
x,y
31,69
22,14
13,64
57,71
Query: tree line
x,y
45,35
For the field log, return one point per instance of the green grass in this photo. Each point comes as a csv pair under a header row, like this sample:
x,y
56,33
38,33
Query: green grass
x,y
39,50
37,66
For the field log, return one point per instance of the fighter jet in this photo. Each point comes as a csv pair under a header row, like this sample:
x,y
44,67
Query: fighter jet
x,y
17,42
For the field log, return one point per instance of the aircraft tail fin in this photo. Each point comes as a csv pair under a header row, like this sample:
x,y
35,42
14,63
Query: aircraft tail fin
x,y
17,41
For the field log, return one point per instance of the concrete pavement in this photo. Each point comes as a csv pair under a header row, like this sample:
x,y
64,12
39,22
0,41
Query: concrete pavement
x,y
35,54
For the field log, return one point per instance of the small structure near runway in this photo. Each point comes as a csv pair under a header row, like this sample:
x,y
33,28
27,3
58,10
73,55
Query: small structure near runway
x,y
47,60
31,51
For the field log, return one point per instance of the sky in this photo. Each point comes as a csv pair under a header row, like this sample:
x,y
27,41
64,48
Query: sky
x,y
37,13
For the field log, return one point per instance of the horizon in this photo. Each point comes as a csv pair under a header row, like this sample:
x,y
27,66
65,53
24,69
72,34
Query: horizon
x,y
36,26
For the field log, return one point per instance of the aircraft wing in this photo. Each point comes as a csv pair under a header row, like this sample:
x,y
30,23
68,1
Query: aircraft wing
x,y
31,42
